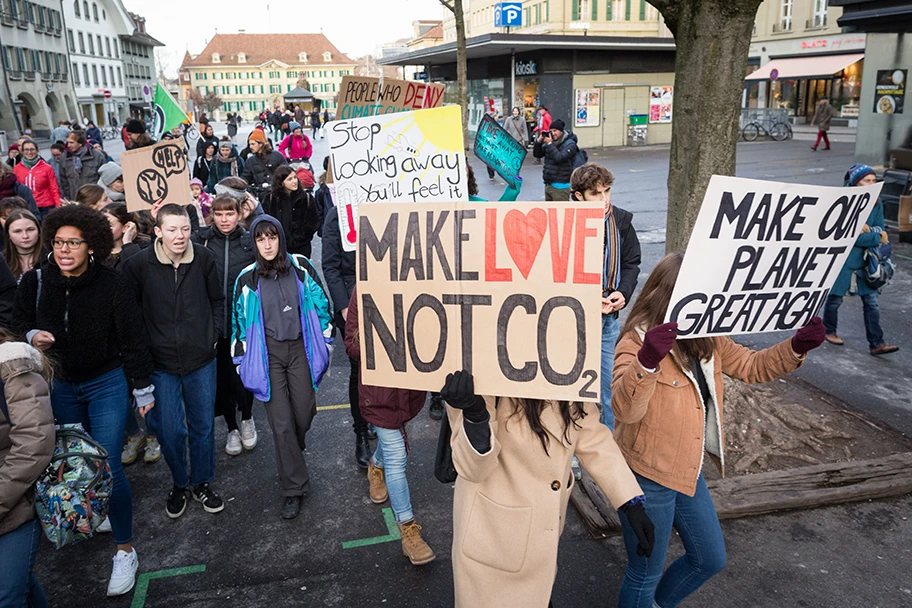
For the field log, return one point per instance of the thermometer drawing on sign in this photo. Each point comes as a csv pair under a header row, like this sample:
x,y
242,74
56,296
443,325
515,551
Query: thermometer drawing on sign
x,y
352,235
347,199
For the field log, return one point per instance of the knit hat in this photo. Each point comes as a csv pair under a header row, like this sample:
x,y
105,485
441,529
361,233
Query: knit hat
x,y
856,173
14,147
109,172
257,135
293,125
196,182
136,126
226,143
559,125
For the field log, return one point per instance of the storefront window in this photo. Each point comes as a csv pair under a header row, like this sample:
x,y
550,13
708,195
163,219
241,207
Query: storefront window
x,y
783,94
847,90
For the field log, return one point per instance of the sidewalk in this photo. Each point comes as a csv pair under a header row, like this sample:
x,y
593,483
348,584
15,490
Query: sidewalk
x,y
837,134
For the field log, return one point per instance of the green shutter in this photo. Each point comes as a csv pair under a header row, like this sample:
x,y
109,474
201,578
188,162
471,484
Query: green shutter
x,y
547,11
576,9
642,10
608,15
595,10
626,10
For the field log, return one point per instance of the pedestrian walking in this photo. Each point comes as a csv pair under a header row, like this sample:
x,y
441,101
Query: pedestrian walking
x,y
207,136
620,268
294,207
513,456
389,409
315,123
823,114
232,124
668,406
279,340
85,316
183,311
232,249
111,179
515,125
227,164
60,132
39,177
873,234
137,135
26,448
262,163
296,146
558,148
204,165
299,114
79,165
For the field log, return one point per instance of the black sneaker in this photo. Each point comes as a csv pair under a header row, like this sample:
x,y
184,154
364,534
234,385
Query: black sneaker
x,y
291,506
177,502
436,409
209,499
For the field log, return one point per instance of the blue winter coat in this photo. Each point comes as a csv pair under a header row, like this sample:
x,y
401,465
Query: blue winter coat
x,y
856,256
248,336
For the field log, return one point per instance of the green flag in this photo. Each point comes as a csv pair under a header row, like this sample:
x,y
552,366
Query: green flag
x,y
167,114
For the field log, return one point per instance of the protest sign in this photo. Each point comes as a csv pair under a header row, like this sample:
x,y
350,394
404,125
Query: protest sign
x,y
367,96
763,256
508,291
395,158
156,173
499,150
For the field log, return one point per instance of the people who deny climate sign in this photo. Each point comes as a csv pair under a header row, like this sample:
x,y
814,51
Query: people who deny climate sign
x,y
778,247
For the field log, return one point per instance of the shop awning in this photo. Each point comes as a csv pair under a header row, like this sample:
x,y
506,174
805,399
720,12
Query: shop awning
x,y
806,67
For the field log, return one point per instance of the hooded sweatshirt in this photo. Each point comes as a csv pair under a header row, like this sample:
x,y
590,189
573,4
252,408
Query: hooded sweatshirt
x,y
109,172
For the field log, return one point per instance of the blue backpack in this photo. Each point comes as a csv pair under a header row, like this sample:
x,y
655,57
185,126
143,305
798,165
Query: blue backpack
x,y
580,158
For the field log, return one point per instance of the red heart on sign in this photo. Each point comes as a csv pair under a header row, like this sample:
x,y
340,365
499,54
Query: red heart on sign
x,y
524,234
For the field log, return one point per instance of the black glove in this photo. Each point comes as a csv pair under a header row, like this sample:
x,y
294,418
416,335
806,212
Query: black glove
x,y
459,392
642,526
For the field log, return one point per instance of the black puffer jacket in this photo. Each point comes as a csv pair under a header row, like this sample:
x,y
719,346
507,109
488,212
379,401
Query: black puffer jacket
x,y
298,215
338,264
183,309
233,251
630,253
259,170
558,158
94,318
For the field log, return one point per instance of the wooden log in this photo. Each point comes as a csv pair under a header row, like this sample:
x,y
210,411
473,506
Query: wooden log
x,y
774,491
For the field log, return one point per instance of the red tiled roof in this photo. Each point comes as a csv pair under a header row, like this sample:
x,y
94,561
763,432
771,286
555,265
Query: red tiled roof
x,y
435,32
260,48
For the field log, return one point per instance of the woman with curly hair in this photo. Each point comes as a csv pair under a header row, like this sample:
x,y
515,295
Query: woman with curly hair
x,y
86,317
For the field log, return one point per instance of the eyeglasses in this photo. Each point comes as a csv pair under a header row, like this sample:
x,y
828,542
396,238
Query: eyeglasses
x,y
70,243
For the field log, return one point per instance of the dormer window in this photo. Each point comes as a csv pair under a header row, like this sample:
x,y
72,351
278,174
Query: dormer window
x,y
327,56
242,58
302,57
216,58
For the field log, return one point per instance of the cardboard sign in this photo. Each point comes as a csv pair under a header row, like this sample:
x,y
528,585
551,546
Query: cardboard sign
x,y
155,173
395,158
499,150
508,291
366,96
763,256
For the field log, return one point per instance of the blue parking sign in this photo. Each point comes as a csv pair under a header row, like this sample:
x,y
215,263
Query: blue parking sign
x,y
508,14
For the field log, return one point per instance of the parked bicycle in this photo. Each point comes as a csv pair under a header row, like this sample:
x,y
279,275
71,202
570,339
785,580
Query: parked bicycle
x,y
776,128
110,132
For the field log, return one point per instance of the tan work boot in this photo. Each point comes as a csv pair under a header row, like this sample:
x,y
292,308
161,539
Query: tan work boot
x,y
413,546
378,492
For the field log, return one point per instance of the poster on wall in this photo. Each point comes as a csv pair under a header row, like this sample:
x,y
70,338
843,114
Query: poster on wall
x,y
890,91
775,250
661,102
587,107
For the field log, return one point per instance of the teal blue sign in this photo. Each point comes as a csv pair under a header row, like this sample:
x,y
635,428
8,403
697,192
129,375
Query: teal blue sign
x,y
498,150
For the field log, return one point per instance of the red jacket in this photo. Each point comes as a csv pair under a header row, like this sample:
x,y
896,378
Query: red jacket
x,y
388,408
545,122
293,147
42,181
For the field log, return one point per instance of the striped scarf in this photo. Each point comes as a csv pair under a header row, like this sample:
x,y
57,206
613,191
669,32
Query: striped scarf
x,y
611,274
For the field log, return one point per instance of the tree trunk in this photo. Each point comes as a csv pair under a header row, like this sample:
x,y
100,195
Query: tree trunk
x,y
462,89
712,39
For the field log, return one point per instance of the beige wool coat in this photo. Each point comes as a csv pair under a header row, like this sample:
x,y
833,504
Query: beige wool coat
x,y
510,503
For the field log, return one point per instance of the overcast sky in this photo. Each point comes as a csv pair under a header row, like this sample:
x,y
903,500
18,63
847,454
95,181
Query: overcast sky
x,y
356,27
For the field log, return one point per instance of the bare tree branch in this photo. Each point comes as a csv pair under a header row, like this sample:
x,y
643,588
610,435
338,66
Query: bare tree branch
x,y
451,6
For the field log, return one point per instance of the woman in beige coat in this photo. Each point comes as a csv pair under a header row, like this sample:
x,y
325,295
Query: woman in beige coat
x,y
513,459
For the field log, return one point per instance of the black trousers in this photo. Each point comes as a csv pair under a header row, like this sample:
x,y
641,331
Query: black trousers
x,y
360,424
230,394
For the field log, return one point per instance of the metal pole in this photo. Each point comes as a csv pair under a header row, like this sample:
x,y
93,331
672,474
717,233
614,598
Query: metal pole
x,y
512,82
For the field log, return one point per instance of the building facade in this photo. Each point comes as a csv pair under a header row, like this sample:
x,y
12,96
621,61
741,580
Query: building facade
x,y
93,36
251,72
138,52
38,91
799,54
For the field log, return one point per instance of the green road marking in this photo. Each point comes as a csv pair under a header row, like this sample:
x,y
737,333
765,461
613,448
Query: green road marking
x,y
342,406
392,534
905,257
142,583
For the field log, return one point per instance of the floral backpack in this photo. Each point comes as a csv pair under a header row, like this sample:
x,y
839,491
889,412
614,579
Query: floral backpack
x,y
72,494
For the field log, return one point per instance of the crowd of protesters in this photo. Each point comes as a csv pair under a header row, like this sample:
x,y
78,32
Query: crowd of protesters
x,y
159,322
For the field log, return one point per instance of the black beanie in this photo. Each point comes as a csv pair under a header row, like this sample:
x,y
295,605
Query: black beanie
x,y
559,125
136,126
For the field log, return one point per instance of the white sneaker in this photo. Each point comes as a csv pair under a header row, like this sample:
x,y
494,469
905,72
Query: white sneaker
x,y
153,450
233,446
104,527
248,434
131,448
123,576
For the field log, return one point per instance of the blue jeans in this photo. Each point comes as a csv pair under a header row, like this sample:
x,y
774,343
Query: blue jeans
x,y
390,456
871,310
18,586
611,329
185,407
102,405
696,522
